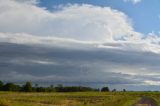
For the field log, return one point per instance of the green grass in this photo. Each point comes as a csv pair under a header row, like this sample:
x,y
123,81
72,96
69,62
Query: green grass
x,y
74,99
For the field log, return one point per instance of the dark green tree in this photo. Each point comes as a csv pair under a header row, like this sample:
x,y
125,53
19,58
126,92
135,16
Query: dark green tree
x,y
1,85
124,90
11,87
27,87
105,89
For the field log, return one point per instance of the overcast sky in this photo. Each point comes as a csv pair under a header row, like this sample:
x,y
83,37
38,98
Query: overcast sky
x,y
101,42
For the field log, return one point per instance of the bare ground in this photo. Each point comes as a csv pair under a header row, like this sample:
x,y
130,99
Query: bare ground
x,y
146,101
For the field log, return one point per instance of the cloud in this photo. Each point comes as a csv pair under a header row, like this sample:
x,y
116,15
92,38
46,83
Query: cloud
x,y
143,44
21,62
71,21
75,43
150,82
30,2
133,1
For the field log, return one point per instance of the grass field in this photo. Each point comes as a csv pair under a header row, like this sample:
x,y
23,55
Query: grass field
x,y
74,99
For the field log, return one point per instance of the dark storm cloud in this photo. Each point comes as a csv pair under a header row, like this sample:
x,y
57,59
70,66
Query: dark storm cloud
x,y
21,62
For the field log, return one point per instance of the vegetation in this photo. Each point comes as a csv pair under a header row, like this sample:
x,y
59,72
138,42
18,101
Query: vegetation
x,y
74,98
27,87
105,89
10,87
27,95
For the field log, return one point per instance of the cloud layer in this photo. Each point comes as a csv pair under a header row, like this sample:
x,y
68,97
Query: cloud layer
x,y
133,1
75,43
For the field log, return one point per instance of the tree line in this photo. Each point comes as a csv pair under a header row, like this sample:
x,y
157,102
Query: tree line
x,y
28,87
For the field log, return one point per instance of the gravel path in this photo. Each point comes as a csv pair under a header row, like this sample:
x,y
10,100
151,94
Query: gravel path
x,y
146,101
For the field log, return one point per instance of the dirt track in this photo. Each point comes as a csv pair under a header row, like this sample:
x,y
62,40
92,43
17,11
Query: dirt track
x,y
146,101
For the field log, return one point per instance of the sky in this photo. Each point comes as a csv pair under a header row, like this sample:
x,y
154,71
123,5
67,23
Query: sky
x,y
95,43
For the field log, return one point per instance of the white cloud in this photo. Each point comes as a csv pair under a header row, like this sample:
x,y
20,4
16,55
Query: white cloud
x,y
150,82
102,27
28,1
23,61
85,24
133,1
80,22
147,44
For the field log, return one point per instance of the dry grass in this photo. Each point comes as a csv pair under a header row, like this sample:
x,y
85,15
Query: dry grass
x,y
73,99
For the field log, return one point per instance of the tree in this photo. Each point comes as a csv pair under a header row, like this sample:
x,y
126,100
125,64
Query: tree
x,y
1,85
114,90
51,86
124,90
105,89
11,87
59,88
41,89
36,85
27,87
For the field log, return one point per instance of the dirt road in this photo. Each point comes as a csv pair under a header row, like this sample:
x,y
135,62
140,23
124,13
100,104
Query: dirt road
x,y
146,101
